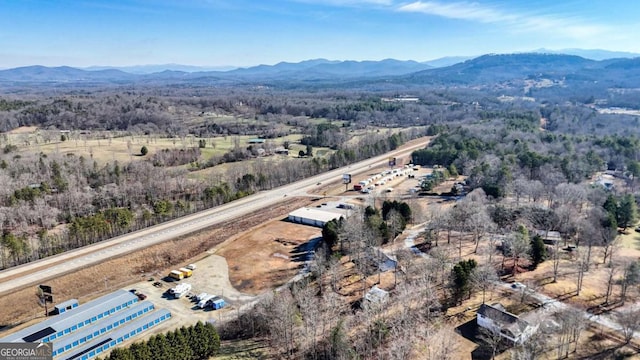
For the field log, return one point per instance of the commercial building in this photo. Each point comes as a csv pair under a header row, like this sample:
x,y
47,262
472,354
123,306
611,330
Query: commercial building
x,y
111,339
318,216
87,330
120,318
75,319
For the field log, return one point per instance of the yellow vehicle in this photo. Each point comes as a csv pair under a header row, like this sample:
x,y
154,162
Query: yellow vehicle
x,y
178,275
186,272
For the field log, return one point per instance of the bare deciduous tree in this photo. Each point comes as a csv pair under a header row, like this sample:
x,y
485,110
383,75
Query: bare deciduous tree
x,y
611,272
629,321
572,323
484,278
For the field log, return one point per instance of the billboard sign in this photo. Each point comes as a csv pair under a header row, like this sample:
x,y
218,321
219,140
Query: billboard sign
x,y
346,179
392,161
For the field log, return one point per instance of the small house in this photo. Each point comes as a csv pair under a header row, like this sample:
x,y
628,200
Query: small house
x,y
549,237
496,318
375,297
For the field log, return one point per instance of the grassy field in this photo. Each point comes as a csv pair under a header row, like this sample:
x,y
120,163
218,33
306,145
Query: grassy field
x,y
104,147
631,239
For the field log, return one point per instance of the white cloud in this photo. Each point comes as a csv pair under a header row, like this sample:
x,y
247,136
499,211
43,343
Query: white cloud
x,y
566,26
460,10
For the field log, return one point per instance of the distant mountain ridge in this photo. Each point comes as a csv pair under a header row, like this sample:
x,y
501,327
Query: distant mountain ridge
x,y
519,71
485,69
502,67
151,68
305,70
61,73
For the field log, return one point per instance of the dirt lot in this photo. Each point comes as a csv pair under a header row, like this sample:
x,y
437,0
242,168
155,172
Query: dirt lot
x,y
275,256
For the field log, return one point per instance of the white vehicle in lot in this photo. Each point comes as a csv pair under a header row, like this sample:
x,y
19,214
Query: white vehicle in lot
x,y
181,290
365,190
203,303
388,189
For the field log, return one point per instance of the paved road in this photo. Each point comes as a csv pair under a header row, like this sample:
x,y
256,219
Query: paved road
x,y
36,272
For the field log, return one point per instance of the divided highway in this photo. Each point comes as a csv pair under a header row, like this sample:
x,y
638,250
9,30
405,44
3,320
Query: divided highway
x,y
38,271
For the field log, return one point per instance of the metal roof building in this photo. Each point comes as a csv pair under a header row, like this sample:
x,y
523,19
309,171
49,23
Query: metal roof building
x,y
102,343
73,320
117,320
319,216
311,216
66,305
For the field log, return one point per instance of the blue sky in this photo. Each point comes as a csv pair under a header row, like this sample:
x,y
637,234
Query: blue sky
x,y
251,32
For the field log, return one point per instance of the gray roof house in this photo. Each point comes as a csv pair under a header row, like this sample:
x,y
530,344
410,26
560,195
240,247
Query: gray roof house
x,y
496,318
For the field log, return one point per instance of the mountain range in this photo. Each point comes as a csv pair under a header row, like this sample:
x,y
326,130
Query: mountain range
x,y
484,69
317,69
593,54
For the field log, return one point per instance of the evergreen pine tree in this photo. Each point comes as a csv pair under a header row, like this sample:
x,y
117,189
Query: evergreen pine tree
x,y
538,250
141,351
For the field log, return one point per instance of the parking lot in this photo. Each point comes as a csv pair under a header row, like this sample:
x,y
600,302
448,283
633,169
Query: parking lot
x,y
211,276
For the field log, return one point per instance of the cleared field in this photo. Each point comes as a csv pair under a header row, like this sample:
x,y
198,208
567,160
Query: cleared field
x,y
277,255
323,152
106,146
